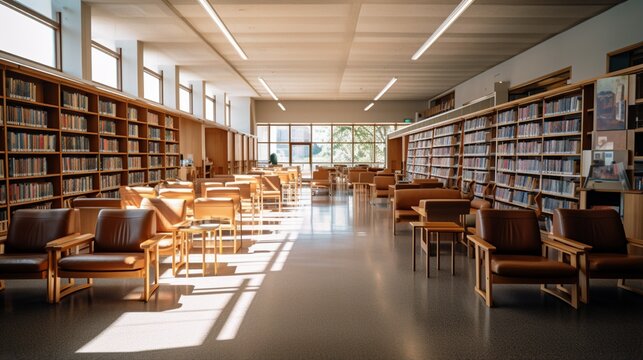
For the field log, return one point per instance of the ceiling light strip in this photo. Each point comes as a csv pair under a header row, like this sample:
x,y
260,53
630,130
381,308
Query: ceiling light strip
x,y
442,28
369,106
388,86
265,85
217,20
281,106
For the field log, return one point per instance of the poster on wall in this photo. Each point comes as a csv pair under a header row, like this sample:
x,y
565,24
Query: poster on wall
x,y
610,111
610,140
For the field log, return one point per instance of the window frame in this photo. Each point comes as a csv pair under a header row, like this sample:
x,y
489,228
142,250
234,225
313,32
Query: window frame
x,y
159,77
190,92
118,55
213,99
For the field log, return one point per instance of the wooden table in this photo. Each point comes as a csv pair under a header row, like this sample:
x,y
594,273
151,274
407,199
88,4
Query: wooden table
x,y
431,227
196,227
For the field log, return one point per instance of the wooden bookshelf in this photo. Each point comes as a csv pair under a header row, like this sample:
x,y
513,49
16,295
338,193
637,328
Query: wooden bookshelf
x,y
62,139
479,148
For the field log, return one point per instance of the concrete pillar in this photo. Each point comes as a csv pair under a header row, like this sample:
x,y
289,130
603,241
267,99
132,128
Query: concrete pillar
x,y
76,34
219,113
170,86
198,98
132,66
240,113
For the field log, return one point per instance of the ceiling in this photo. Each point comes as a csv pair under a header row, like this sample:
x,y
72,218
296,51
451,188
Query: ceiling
x,y
334,49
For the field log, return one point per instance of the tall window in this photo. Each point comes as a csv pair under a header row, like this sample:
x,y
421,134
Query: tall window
x,y
106,65
153,85
210,107
185,98
349,144
29,34
228,109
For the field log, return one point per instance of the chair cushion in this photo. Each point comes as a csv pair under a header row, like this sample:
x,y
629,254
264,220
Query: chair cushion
x,y
123,230
527,266
103,262
606,264
512,232
23,263
406,214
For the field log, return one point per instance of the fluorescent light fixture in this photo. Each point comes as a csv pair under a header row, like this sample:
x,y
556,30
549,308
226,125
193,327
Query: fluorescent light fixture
x,y
265,85
388,86
369,106
281,106
442,28
217,20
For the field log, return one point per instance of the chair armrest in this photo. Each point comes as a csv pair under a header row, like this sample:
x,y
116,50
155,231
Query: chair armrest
x,y
569,242
3,238
152,242
480,242
563,247
69,241
635,242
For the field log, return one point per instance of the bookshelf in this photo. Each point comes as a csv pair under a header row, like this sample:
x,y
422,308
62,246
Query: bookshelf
x,y
478,155
63,139
445,153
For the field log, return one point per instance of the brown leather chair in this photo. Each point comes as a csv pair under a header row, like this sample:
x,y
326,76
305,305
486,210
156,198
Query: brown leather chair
x,y
405,199
609,253
424,181
353,175
170,215
509,250
25,255
380,186
125,246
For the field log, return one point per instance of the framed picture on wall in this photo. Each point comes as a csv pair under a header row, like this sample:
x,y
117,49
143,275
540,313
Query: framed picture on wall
x,y
610,112
610,140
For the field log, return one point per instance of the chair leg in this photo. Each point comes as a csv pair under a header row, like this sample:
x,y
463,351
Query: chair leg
x,y
453,240
487,277
621,284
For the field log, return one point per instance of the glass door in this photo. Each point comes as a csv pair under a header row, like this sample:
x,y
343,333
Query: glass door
x,y
300,156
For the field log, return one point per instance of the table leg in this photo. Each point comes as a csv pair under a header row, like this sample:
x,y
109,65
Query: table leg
x,y
428,251
437,250
454,238
203,252
413,247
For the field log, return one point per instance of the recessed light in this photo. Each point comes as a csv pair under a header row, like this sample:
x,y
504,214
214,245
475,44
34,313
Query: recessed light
x,y
388,86
281,106
217,20
369,106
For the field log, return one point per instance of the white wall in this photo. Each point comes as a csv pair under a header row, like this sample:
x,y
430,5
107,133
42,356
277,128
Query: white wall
x,y
584,47
240,113
341,111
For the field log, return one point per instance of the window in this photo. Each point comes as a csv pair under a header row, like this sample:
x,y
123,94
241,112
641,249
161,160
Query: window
x,y
38,38
228,108
262,133
106,65
279,133
153,85
210,107
185,98
300,133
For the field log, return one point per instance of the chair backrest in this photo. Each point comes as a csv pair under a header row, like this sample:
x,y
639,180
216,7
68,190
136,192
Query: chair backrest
x,y
208,208
207,184
30,229
271,183
97,203
132,196
366,177
602,229
447,209
477,204
406,198
123,230
431,185
178,185
353,175
321,174
169,212
382,182
245,188
510,231
233,193
424,181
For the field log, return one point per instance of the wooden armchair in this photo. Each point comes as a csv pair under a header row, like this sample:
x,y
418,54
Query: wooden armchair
x,y
405,199
131,197
609,253
380,186
125,246
319,181
235,219
509,250
271,189
25,255
171,214
218,208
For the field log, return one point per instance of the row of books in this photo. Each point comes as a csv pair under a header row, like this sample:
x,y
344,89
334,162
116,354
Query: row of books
x,y
172,148
504,179
477,136
421,136
170,135
423,152
3,196
107,127
132,113
506,148
154,147
506,132
526,181
557,186
27,166
73,164
444,141
110,181
78,184
529,147
561,166
446,130
478,190
169,121
74,100
1,168
506,117
106,108
136,178
420,144
550,204
21,141
21,89
561,126
111,194
442,172
133,146
24,116
477,123
171,173
564,105
503,194
152,118
443,161
567,146
476,162
111,163
523,198
529,129
477,149
504,206
529,112
75,143
134,162
478,176
155,175
154,133
444,151
156,161
528,165
108,145
30,191
132,130
505,164
73,122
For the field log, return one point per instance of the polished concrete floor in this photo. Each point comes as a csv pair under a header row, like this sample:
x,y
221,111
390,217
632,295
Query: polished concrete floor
x,y
326,281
